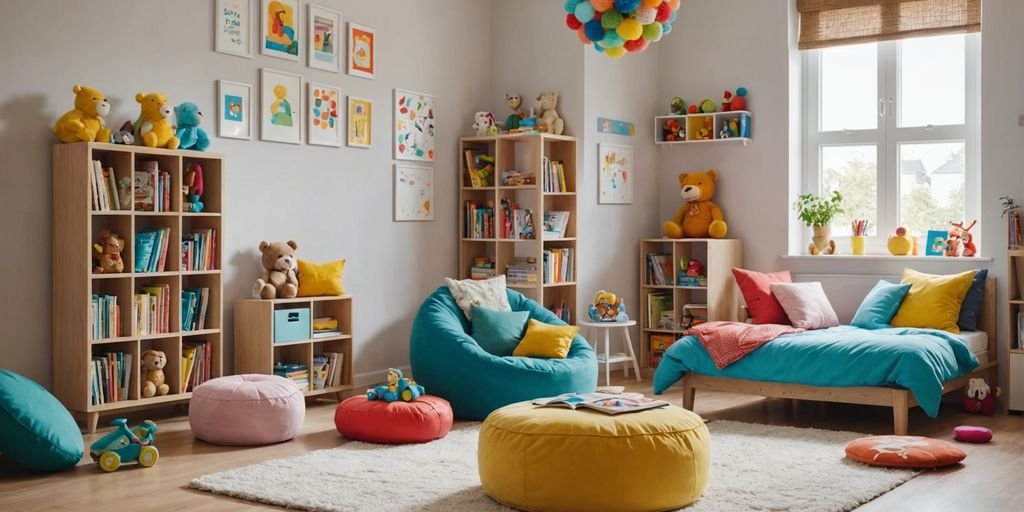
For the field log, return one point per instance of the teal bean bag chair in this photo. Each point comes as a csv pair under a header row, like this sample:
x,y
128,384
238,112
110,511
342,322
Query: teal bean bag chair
x,y
36,431
450,364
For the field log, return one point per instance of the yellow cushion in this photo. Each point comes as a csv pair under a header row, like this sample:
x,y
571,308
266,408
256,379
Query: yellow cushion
x,y
546,340
933,301
315,280
554,459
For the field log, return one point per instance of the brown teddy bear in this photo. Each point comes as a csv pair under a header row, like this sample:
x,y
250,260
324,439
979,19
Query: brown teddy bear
x,y
698,217
153,380
549,117
108,253
279,280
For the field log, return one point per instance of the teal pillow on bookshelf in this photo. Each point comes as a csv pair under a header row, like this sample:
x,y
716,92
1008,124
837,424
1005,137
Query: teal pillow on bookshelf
x,y
36,431
498,332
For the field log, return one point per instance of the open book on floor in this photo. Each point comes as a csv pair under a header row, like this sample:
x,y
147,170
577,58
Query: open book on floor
x,y
604,402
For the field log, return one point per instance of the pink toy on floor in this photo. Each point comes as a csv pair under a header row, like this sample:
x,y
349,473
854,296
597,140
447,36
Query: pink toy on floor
x,y
972,434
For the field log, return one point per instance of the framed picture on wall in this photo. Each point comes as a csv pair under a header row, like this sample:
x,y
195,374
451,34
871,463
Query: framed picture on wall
x,y
615,174
362,51
233,110
280,106
323,34
280,34
414,193
232,25
324,126
360,122
414,123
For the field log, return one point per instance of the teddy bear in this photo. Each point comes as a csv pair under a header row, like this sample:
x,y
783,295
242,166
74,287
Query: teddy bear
x,y
607,307
153,128
153,380
188,132
698,217
279,280
484,124
514,101
549,118
85,122
108,253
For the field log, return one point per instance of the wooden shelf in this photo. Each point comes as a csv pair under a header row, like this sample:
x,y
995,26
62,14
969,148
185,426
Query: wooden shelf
x,y
691,122
556,285
120,275
140,402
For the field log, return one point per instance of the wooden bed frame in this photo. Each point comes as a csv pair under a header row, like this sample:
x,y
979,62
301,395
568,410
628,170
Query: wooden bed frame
x,y
901,400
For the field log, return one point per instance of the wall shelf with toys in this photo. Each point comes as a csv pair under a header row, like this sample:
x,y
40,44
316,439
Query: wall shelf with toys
x,y
722,127
136,267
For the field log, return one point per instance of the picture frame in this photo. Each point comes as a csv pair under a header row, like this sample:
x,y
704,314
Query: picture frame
x,y
414,124
616,172
323,31
281,29
323,125
935,243
362,51
360,122
232,27
280,106
234,110
414,193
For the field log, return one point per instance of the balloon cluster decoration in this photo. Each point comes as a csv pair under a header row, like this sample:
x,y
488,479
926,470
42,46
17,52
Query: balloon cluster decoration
x,y
615,27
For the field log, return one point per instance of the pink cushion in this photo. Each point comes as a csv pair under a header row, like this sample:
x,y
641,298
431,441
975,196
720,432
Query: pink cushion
x,y
755,286
425,419
972,434
246,410
805,304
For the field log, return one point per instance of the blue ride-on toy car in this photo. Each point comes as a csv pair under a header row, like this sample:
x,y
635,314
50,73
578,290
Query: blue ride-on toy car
x,y
126,445
398,388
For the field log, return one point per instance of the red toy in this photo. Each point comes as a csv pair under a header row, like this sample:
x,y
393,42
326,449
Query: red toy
x,y
965,237
732,102
694,268
979,398
673,130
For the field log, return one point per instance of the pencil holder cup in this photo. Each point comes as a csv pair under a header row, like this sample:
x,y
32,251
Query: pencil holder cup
x,y
857,244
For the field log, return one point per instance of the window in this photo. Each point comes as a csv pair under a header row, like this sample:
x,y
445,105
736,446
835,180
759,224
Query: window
x,y
893,126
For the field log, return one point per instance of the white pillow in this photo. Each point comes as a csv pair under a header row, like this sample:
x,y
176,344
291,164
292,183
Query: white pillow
x,y
486,293
805,304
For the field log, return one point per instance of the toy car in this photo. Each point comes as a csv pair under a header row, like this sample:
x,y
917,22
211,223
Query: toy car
x,y
398,388
126,445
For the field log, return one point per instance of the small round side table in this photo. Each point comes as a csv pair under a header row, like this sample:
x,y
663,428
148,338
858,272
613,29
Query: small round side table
x,y
608,359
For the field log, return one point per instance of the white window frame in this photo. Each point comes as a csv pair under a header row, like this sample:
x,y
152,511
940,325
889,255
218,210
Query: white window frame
x,y
888,136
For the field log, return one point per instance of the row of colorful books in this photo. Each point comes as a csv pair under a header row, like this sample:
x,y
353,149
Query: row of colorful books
x,y
660,313
151,249
295,372
483,268
554,175
106,316
152,187
110,375
562,311
659,269
328,370
1013,231
198,250
152,310
555,224
196,363
558,265
193,308
107,193
479,220
522,271
517,223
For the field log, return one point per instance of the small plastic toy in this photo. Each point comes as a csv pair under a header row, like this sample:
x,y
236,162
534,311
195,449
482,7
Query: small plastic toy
x,y
126,445
673,130
960,241
514,101
691,272
484,124
192,189
397,388
123,135
607,307
678,106
979,397
731,102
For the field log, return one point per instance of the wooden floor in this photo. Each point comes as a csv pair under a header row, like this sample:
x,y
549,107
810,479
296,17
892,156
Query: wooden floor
x,y
991,478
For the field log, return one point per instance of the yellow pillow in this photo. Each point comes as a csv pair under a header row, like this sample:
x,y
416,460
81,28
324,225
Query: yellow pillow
x,y
933,301
546,340
315,280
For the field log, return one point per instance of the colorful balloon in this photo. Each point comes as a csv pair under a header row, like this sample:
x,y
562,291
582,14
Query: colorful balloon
x,y
572,22
617,27
630,29
646,15
582,34
615,53
611,40
636,45
584,11
570,5
602,5
611,19
652,32
626,6
594,30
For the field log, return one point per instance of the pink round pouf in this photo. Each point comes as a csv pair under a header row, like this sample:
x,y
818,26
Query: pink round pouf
x,y
425,419
246,410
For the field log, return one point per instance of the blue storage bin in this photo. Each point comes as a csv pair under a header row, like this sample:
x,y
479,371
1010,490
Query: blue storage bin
x,y
291,325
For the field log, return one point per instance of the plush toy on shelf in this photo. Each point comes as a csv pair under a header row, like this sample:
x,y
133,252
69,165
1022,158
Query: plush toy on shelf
x,y
607,307
980,398
108,253
126,444
698,217
188,132
154,383
549,117
902,243
152,126
397,388
678,106
279,280
673,130
192,189
706,131
514,101
965,238
731,102
484,124
707,106
691,273
123,135
84,123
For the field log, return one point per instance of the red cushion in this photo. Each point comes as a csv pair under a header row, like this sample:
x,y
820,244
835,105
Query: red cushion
x,y
757,293
425,419
972,434
904,452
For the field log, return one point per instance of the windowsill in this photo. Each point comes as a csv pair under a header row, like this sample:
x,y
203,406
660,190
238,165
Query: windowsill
x,y
888,257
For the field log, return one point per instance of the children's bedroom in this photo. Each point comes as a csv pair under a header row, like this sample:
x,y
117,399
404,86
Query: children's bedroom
x,y
537,255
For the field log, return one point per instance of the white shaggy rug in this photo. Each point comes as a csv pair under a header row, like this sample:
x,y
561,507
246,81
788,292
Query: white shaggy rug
x,y
754,467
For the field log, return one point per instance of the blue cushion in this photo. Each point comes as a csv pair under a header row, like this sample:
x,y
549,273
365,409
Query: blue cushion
x,y
970,309
498,332
880,305
36,431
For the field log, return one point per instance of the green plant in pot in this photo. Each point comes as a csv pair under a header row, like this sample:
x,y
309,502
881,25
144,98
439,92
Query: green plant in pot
x,y
817,213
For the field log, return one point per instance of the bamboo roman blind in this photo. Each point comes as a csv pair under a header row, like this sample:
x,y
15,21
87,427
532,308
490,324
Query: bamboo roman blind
x,y
837,22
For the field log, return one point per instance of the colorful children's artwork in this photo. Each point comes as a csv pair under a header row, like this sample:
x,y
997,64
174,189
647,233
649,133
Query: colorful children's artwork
x,y
936,242
616,127
615,169
280,106
233,25
322,33
233,110
360,122
414,126
279,30
414,193
324,126
362,51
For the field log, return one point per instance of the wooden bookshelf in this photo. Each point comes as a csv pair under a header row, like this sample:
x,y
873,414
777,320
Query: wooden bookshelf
x,y
75,230
525,153
256,352
720,293
1015,345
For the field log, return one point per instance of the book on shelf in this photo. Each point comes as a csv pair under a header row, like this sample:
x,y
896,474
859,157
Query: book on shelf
x,y
479,220
693,314
522,271
555,224
152,187
659,269
326,327
657,304
198,250
194,302
554,175
295,372
517,223
657,345
152,310
104,188
607,403
562,311
483,268
558,265
480,167
110,377
105,313
196,363
151,249
1013,232
514,178
328,370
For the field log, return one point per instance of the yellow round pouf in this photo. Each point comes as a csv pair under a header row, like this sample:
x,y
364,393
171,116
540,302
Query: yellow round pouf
x,y
554,459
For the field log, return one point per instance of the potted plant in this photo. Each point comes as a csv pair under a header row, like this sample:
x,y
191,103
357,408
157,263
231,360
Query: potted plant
x,y
817,212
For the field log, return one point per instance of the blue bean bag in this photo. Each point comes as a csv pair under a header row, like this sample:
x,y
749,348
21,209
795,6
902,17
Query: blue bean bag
x,y
36,431
450,364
